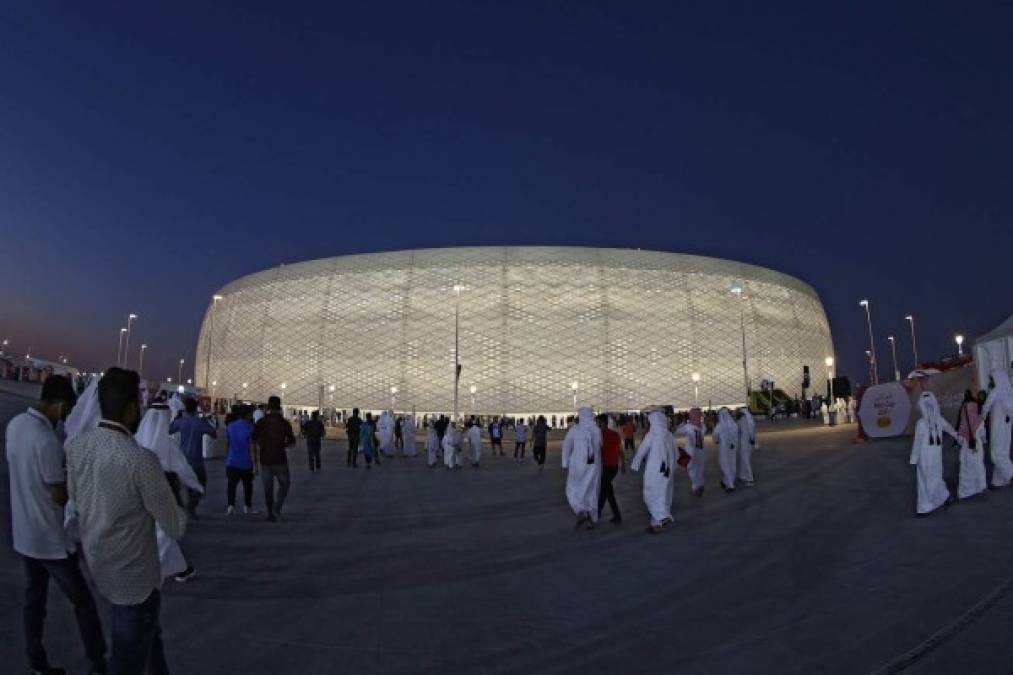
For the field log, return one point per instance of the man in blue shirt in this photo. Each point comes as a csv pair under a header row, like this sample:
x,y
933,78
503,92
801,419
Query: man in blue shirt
x,y
192,430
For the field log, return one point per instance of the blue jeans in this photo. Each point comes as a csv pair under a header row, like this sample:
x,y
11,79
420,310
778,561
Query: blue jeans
x,y
137,639
67,575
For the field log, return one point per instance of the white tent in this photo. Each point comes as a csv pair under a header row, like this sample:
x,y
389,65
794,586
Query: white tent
x,y
994,350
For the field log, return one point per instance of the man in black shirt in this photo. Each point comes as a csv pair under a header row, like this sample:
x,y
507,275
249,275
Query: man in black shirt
x,y
352,430
314,432
273,434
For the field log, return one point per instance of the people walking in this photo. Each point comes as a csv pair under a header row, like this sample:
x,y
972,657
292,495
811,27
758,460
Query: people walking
x,y
192,430
581,463
496,436
314,432
972,481
432,446
273,434
998,409
747,443
520,439
121,492
611,464
475,442
539,440
726,435
38,492
692,432
352,432
452,446
240,461
657,454
367,441
927,455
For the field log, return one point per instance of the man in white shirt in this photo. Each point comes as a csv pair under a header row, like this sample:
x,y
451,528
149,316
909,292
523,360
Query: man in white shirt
x,y
38,487
121,493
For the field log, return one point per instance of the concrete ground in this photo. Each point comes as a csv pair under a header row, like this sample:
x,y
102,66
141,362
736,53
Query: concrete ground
x,y
821,568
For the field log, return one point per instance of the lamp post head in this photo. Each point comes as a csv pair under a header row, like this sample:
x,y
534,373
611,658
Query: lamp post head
x,y
131,316
909,317
181,361
737,290
216,297
473,389
284,385
123,330
695,377
331,387
393,390
458,288
829,361
214,383
143,347
863,303
890,338
959,339
573,386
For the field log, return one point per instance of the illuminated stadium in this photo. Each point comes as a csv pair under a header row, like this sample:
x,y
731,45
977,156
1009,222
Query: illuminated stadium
x,y
538,329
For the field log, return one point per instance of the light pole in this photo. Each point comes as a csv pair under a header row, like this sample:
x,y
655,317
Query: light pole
x,y
872,344
573,385
180,371
914,345
126,347
393,398
457,343
737,291
3,345
211,329
140,362
473,390
119,348
830,377
696,388
893,352
960,344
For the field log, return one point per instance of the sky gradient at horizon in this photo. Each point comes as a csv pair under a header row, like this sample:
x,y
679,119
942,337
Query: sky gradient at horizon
x,y
151,156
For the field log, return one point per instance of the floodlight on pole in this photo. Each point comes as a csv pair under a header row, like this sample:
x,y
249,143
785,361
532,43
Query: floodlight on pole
x,y
914,345
696,388
737,292
211,329
473,389
126,348
457,342
119,348
872,344
140,361
181,370
393,398
829,361
893,351
959,339
573,385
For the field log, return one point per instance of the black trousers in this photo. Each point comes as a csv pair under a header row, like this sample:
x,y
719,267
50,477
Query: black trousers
x,y
233,476
353,449
67,575
194,497
539,452
607,491
519,449
313,453
628,444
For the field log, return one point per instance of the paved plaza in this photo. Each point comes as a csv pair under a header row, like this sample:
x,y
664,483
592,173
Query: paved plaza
x,y
821,568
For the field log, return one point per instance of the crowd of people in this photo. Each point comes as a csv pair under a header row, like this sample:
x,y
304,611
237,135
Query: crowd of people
x,y
106,474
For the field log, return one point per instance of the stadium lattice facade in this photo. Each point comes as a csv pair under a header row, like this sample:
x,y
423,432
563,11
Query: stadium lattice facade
x,y
627,327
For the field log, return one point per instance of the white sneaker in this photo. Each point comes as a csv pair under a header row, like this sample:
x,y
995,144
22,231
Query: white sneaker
x,y
229,511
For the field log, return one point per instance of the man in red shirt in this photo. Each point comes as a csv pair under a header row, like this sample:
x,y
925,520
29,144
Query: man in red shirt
x,y
611,464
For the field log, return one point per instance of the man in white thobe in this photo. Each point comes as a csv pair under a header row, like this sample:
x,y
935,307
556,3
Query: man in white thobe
x,y
475,442
452,447
747,443
927,455
581,460
726,435
1000,405
657,454
408,436
385,432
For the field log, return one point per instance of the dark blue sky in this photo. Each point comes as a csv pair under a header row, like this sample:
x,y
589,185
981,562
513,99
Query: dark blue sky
x,y
148,156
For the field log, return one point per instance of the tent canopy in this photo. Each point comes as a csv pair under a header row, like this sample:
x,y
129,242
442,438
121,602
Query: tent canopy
x,y
994,350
